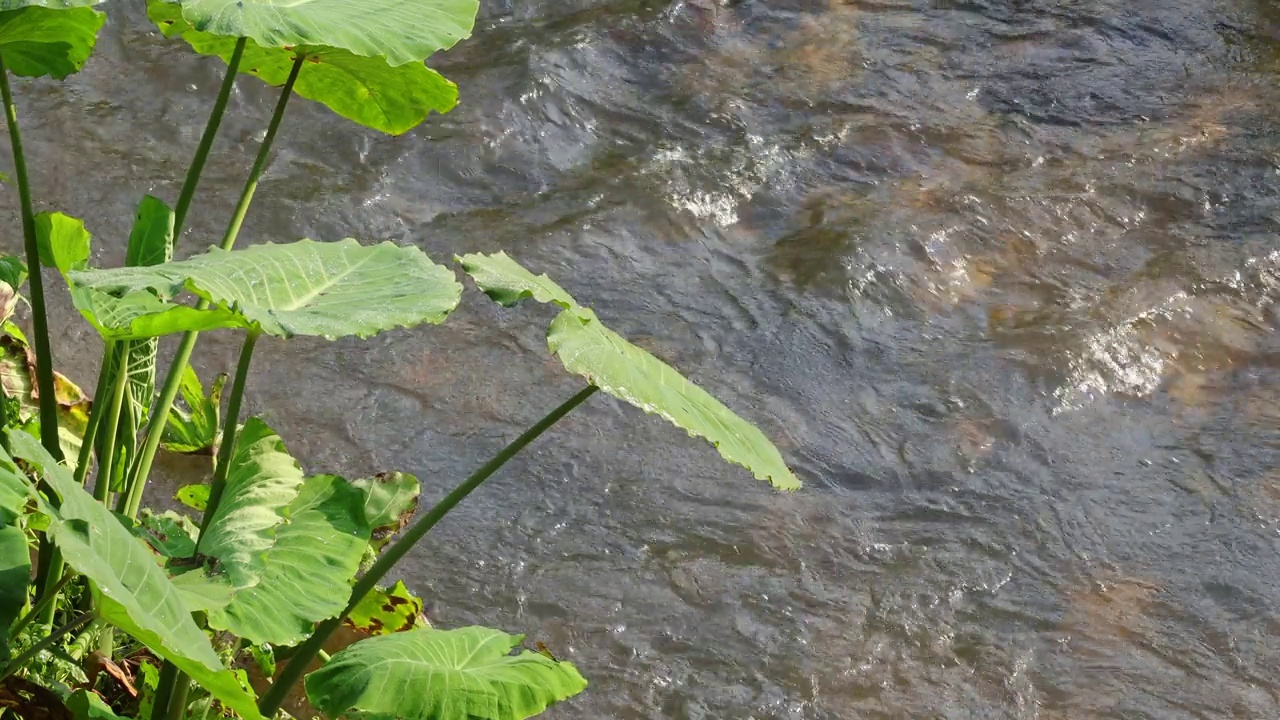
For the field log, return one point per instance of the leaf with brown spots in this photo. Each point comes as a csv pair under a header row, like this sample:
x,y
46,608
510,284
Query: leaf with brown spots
x,y
388,611
18,381
390,500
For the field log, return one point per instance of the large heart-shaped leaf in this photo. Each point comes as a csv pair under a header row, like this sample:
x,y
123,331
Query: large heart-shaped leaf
x,y
289,547
463,674
588,348
329,289
261,482
363,89
402,31
306,570
134,593
50,38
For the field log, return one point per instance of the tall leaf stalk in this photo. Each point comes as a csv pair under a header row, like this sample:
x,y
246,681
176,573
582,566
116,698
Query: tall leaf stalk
x,y
50,568
229,424
39,320
172,682
51,565
173,380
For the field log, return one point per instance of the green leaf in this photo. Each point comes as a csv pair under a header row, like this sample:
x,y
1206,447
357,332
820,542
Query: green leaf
x,y
587,348
15,557
148,681
40,41
507,282
86,705
262,480
201,590
151,239
15,492
139,392
195,430
382,612
170,534
288,546
307,569
195,497
390,500
13,271
365,90
15,573
265,658
329,289
400,30
463,674
140,314
133,592
63,241
18,381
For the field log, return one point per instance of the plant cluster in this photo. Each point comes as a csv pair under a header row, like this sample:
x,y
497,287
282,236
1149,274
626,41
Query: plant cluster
x,y
110,610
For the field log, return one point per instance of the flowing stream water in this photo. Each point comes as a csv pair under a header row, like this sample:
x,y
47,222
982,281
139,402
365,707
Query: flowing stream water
x,y
1000,277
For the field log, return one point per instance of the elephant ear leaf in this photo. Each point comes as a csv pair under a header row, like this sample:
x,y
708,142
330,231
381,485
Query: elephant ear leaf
x,y
457,674
401,31
586,347
48,38
325,289
363,89
133,592
284,542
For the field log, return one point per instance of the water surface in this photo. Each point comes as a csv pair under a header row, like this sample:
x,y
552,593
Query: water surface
x,y
999,276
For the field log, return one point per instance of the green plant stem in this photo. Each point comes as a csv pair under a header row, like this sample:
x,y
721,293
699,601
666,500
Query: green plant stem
x,y
53,637
38,609
309,650
107,463
260,162
95,414
165,686
173,380
229,424
39,320
108,460
206,141
107,641
178,700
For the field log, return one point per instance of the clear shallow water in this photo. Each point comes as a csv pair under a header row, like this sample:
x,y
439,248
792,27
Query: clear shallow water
x,y
999,276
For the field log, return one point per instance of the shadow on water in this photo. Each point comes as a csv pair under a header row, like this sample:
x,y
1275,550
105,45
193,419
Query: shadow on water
x,y
1000,275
